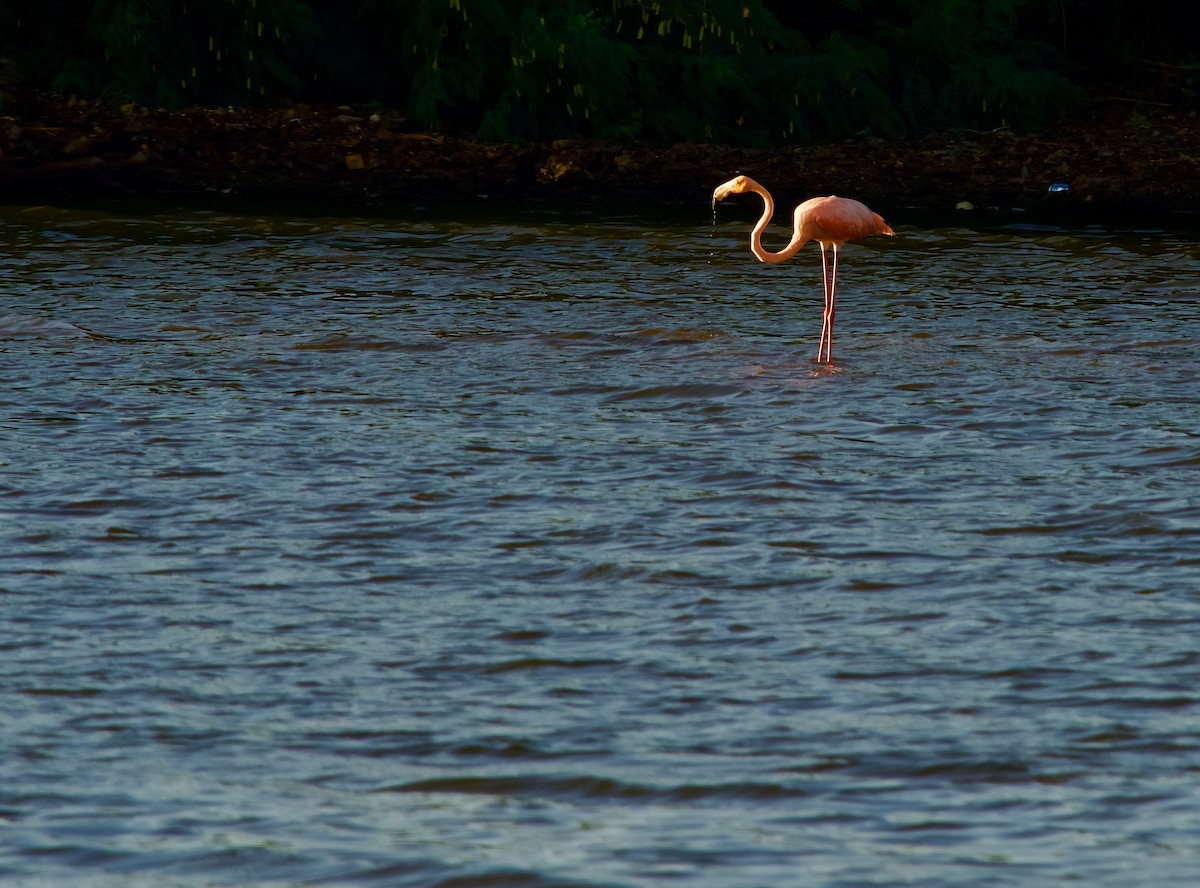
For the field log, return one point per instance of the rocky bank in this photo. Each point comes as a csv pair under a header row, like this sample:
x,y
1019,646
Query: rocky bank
x,y
1127,153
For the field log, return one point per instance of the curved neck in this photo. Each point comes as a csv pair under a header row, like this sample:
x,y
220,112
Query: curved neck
x,y
756,246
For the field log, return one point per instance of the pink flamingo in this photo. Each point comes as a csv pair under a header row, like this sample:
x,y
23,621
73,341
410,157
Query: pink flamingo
x,y
830,221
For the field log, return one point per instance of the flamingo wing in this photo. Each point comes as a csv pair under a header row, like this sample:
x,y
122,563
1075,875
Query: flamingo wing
x,y
838,219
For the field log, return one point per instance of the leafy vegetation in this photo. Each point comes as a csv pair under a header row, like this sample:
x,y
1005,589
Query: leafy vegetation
x,y
733,71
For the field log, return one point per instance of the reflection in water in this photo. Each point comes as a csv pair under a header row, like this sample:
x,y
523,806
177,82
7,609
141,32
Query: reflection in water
x,y
537,549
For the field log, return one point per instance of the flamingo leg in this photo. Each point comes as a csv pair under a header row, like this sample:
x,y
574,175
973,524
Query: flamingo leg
x,y
829,278
832,301
826,316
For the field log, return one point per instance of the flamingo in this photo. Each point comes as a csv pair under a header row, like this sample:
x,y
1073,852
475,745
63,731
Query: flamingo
x,y
830,221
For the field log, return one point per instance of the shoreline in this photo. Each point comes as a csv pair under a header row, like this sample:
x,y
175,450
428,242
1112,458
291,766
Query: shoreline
x,y
1118,154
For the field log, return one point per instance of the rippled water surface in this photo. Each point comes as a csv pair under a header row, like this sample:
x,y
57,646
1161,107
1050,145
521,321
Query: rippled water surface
x,y
532,549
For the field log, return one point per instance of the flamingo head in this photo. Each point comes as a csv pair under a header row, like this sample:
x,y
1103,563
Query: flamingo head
x,y
736,185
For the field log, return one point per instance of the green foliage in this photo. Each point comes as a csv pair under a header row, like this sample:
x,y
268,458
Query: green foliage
x,y
757,72
964,62
38,36
177,52
723,70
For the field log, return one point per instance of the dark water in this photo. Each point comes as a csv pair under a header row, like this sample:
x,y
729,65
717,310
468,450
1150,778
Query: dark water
x,y
533,550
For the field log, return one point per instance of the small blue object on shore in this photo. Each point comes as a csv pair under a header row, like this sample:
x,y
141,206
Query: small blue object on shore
x,y
1056,187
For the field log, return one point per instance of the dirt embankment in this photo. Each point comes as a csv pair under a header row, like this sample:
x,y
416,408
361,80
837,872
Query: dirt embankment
x,y
1119,153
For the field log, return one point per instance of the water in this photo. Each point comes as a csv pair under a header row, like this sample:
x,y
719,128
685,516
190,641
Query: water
x,y
533,549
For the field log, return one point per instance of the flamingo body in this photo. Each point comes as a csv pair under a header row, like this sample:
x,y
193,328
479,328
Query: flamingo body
x,y
830,221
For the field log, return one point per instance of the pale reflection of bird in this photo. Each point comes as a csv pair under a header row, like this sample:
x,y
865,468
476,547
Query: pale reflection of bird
x,y
830,221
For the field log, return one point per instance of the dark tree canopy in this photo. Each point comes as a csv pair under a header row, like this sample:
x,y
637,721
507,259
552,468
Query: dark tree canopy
x,y
731,71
